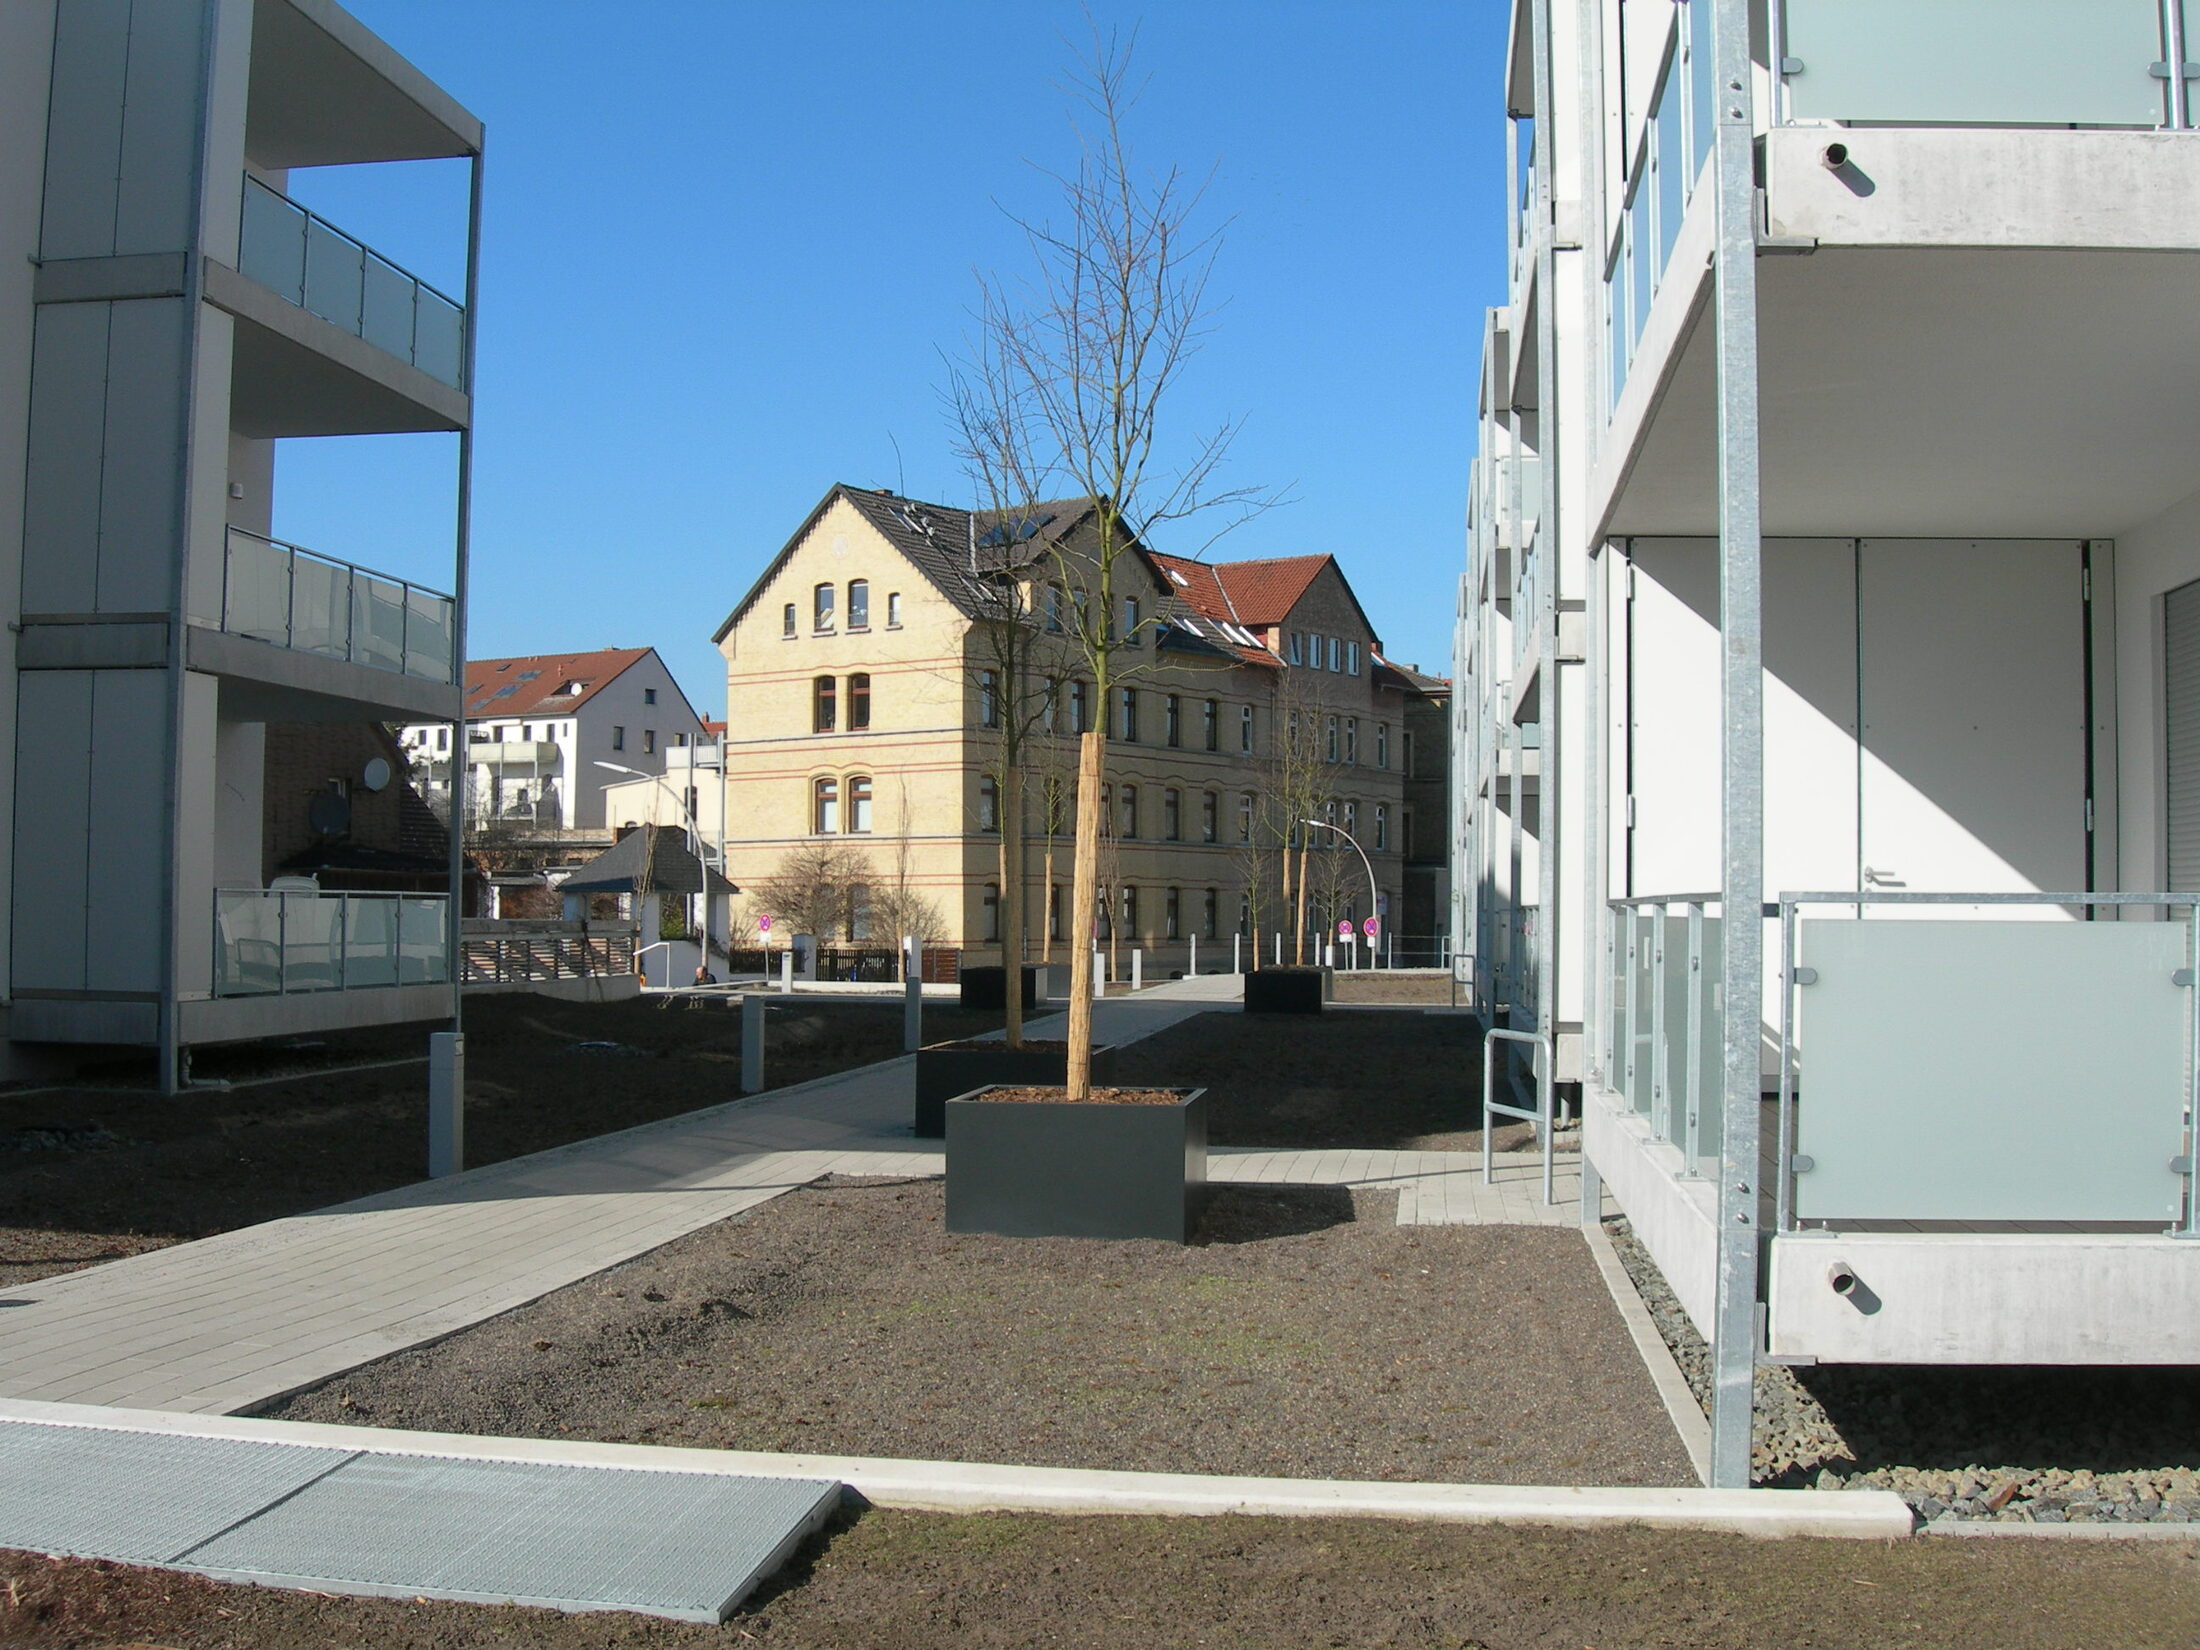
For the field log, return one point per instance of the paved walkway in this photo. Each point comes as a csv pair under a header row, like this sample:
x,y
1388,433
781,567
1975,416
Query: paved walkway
x,y
233,1321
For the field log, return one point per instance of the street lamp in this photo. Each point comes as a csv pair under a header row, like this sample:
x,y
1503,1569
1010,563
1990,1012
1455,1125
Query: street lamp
x,y
1374,895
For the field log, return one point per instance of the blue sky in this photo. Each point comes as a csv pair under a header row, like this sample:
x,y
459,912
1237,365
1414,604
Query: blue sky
x,y
727,244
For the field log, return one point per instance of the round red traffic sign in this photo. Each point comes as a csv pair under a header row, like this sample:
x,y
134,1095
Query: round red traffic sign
x,y
1368,927
763,925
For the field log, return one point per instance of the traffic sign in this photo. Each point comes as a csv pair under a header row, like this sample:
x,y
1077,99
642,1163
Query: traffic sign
x,y
1368,928
1344,928
763,924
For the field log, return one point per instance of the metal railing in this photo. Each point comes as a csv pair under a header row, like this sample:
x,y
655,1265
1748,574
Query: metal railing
x,y
486,959
1540,1116
308,260
270,942
299,599
1666,1018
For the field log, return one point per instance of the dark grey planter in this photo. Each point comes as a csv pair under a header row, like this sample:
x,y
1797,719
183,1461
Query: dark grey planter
x,y
1087,1170
944,1071
987,987
1286,990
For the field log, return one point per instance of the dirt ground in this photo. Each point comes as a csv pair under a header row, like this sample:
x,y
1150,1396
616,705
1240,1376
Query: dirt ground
x,y
1299,1336
89,1174
1367,1078
1381,985
927,1581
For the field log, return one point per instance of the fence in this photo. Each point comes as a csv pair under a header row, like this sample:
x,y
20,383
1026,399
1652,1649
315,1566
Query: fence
x,y
496,958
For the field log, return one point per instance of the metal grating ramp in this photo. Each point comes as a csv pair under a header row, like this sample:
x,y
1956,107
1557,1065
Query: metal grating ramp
x,y
689,1546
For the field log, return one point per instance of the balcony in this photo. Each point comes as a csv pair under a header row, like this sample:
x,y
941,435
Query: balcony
x,y
274,943
512,753
279,593
315,265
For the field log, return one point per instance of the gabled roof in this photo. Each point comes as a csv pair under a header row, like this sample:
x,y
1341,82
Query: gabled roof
x,y
1264,592
1196,586
657,854
542,682
1408,678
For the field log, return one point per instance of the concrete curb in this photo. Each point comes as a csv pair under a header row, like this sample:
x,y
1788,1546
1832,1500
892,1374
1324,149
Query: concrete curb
x,y
1680,1403
953,1486
1988,1527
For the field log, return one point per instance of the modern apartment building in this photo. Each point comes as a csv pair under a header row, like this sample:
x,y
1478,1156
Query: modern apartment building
x,y
169,319
866,703
1826,659
548,735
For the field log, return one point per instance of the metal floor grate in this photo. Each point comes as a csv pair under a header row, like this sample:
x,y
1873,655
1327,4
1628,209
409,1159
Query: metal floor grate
x,y
689,1546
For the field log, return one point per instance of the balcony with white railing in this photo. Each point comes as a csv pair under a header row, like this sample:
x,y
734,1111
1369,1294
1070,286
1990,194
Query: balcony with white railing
x,y
309,261
295,598
274,942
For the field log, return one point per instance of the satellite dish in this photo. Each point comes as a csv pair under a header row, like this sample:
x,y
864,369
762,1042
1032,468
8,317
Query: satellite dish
x,y
376,774
329,814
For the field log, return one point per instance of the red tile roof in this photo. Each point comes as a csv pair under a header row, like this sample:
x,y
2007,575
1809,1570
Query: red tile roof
x,y
543,682
1264,592
1197,587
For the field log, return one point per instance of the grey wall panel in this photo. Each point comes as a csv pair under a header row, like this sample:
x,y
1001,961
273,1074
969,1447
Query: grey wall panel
x,y
127,836
196,815
84,128
148,364
160,120
2181,731
53,764
67,440
209,479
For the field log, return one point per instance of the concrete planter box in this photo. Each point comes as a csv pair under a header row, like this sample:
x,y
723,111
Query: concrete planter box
x,y
1092,1170
944,1071
987,987
1286,990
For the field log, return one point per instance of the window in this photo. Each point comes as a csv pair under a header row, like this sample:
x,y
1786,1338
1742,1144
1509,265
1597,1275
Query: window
x,y
1126,715
1352,819
1211,916
993,911
1313,651
1054,608
618,739
1352,740
989,803
1382,744
442,739
1352,658
649,741
825,812
859,804
859,701
1335,648
1172,914
1102,927
1130,621
1245,729
1054,912
1209,806
786,621
824,705
528,731
1130,912
1172,815
1080,709
649,697
893,610
1211,723
859,604
1332,732
859,912
1382,827
821,608
1050,691
1172,720
1298,647
680,741
1245,817
1129,813
1245,914
989,698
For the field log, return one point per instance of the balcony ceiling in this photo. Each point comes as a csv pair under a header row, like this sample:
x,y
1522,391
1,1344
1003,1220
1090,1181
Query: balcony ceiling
x,y
280,387
1947,393
327,92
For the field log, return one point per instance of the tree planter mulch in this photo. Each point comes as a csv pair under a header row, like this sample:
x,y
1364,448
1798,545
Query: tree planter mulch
x,y
986,987
1027,1161
1286,990
945,1070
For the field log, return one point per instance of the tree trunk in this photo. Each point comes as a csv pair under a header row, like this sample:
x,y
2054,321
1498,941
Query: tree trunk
x,y
1046,904
1298,942
1012,899
1092,748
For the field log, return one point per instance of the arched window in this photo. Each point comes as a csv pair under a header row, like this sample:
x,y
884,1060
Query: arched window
x,y
1245,817
859,804
821,607
1172,817
1382,827
824,705
1172,720
859,604
825,810
1210,722
893,610
1126,715
1209,809
786,621
1245,729
1130,912
1130,811
859,701
1352,740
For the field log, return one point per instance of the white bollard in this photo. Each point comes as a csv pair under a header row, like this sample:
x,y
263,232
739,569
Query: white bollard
x,y
1138,968
1194,968
786,972
1279,949
1099,976
446,1103
1237,953
1329,954
912,995
752,1043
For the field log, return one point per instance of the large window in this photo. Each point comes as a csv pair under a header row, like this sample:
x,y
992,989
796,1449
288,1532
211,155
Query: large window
x,y
824,705
1054,912
618,739
859,804
1352,740
1245,817
859,912
1172,914
1211,722
1382,744
1126,715
1352,658
993,911
859,604
1130,912
1129,811
821,607
989,803
1211,915
1172,720
1245,729
825,807
1130,621
1080,707
859,701
1298,647
1172,815
1382,827
989,698
1332,737
787,621
1336,649
1209,807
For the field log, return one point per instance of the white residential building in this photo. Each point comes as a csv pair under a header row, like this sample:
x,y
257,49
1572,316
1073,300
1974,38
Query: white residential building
x,y
549,734
169,317
1835,559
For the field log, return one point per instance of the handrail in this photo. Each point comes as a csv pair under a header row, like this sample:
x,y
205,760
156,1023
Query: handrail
x,y
332,627
1540,1117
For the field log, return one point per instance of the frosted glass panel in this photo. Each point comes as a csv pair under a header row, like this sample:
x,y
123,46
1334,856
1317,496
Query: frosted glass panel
x,y
1992,1070
1988,62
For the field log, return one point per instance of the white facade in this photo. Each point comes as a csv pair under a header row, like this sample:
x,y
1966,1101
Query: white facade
x,y
168,317
1877,370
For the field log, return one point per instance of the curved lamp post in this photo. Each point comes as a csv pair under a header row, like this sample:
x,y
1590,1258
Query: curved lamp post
x,y
1374,894
695,843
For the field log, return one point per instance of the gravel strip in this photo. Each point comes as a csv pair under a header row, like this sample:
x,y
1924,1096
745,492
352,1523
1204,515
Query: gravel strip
x,y
1305,1334
2068,1445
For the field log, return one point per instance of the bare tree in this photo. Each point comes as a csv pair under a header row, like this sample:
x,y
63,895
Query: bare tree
x,y
808,890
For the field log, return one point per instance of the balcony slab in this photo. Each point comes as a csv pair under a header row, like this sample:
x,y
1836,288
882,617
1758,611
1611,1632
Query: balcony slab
x,y
264,682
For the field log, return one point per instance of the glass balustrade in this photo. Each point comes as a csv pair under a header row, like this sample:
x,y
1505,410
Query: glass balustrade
x,y
280,593
319,268
269,942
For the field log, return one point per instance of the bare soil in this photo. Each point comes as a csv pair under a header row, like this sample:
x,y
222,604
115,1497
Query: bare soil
x,y
93,1173
1370,1078
1303,1334
1098,1097
1382,985
886,1580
